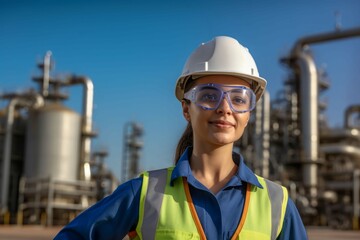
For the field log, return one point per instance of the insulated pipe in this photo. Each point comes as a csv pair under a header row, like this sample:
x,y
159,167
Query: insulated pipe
x,y
349,111
309,124
325,37
38,101
266,132
87,112
262,134
337,148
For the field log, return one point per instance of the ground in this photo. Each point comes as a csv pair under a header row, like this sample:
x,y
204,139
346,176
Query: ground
x,y
46,233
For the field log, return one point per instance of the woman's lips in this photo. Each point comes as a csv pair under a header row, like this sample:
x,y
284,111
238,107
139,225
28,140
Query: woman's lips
x,y
222,123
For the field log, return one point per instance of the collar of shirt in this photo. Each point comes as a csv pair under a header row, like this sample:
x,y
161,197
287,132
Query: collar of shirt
x,y
244,174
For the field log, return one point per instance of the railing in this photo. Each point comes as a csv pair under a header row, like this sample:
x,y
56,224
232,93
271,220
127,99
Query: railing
x,y
43,200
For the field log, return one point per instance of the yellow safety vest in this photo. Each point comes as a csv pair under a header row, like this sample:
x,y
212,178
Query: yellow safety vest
x,y
167,212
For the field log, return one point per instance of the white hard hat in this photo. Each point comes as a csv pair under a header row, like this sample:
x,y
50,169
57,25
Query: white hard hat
x,y
221,56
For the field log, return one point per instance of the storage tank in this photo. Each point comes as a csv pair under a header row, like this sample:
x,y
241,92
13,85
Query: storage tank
x,y
53,143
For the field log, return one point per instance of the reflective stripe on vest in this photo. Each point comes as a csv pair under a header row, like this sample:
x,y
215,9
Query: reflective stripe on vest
x,y
165,211
271,220
153,200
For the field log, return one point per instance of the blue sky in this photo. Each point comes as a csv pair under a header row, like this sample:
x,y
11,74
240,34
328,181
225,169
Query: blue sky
x,y
135,50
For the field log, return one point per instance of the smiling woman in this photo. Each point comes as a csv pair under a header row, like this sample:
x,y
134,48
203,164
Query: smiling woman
x,y
220,126
210,193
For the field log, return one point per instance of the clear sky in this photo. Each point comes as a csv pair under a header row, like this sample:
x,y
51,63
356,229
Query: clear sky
x,y
135,50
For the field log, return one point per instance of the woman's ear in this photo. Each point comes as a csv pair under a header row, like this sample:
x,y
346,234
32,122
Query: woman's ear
x,y
185,108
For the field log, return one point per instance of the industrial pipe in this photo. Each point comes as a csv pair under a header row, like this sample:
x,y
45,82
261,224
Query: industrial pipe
x,y
46,77
325,37
309,104
336,148
87,134
349,111
262,133
37,101
309,125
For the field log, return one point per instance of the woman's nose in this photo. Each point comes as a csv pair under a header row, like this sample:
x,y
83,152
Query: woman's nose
x,y
224,106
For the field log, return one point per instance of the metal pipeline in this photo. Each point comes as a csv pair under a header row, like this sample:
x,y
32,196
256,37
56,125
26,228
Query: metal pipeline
x,y
22,101
309,125
46,77
309,103
336,148
262,133
325,37
349,111
87,134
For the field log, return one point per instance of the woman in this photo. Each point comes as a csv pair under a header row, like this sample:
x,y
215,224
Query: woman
x,y
210,193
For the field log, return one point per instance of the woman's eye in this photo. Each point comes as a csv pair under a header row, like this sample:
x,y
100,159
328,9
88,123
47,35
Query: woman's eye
x,y
209,97
239,101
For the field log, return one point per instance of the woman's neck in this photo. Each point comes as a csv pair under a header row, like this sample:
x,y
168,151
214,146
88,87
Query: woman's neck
x,y
214,167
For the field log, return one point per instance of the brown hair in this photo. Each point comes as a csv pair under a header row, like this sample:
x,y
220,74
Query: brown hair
x,y
185,141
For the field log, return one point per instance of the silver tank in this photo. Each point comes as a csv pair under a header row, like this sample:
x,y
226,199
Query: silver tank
x,y
53,143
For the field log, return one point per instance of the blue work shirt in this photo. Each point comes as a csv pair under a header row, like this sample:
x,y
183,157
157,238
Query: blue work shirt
x,y
116,215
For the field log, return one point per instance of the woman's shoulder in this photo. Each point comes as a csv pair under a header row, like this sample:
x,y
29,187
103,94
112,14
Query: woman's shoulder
x,y
132,186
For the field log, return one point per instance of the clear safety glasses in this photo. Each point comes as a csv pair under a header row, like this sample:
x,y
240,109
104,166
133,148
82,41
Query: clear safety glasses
x,y
209,96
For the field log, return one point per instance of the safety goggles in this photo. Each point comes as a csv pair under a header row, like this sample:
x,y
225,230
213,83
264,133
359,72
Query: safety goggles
x,y
209,96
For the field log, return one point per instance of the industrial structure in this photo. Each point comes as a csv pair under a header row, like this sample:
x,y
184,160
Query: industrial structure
x,y
287,140
290,141
131,150
48,173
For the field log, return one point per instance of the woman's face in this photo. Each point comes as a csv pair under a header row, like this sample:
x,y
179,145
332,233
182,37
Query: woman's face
x,y
216,127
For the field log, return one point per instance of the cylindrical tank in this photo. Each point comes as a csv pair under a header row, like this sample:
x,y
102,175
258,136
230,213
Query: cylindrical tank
x,y
53,143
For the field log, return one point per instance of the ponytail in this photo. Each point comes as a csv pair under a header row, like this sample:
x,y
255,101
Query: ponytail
x,y
185,141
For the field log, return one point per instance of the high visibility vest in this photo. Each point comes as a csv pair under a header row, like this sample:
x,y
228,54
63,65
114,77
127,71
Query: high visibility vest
x,y
167,212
